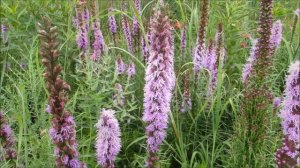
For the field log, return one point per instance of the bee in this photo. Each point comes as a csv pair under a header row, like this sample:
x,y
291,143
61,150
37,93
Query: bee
x,y
243,45
246,35
178,25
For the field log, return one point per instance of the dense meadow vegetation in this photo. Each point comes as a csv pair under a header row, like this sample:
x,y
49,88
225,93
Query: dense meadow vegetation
x,y
150,83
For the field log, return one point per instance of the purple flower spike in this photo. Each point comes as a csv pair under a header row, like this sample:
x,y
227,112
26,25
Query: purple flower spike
x,y
248,67
131,70
288,154
4,34
86,18
82,37
112,22
276,102
108,141
126,30
3,28
276,35
127,33
199,54
135,24
145,50
99,44
160,80
62,131
7,140
48,109
120,66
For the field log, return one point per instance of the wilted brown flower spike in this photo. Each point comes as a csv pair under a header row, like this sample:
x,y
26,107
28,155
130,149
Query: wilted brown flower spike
x,y
63,131
263,50
203,22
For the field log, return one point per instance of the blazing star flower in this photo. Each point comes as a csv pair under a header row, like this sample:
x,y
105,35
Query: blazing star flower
x,y
7,140
160,80
135,24
199,53
86,18
247,69
108,141
131,70
288,154
275,39
276,102
3,28
99,44
120,66
127,31
200,49
112,22
82,37
4,34
276,36
145,50
62,131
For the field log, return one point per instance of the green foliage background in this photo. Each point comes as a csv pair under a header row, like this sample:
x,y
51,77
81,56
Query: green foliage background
x,y
203,137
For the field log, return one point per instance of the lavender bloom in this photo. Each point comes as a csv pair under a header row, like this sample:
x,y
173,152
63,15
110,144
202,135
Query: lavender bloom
x,y
199,53
86,18
200,49
4,35
297,12
275,39
290,115
135,24
48,109
160,80
183,41
248,67
131,70
145,50
75,20
112,22
276,35
99,44
213,57
7,140
127,33
108,141
120,66
3,28
276,102
62,131
82,38
119,99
